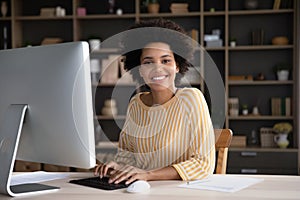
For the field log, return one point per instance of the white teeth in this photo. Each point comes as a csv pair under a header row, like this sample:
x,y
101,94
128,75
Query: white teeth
x,y
158,78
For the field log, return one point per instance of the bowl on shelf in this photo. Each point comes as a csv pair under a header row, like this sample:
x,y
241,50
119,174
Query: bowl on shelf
x,y
280,40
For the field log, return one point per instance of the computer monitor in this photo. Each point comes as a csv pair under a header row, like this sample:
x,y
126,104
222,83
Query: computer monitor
x,y
49,88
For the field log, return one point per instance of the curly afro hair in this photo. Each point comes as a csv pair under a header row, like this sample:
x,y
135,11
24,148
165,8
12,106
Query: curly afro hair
x,y
157,30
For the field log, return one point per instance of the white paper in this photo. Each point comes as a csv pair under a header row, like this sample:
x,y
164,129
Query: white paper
x,y
36,177
222,183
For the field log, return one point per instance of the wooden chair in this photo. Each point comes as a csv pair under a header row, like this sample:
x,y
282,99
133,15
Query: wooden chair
x,y
223,139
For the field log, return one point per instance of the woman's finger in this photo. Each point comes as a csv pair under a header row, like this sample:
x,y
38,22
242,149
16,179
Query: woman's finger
x,y
123,174
132,178
96,172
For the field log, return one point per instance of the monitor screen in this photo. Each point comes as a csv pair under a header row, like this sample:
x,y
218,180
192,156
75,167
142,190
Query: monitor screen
x,y
54,84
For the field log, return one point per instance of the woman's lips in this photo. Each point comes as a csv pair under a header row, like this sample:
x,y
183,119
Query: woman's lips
x,y
159,78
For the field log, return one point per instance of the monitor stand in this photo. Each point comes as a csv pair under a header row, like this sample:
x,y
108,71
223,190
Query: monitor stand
x,y
10,131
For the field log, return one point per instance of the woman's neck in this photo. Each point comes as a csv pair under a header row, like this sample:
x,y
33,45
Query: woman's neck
x,y
162,96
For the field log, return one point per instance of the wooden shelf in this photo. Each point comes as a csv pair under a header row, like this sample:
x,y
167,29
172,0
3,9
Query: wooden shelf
x,y
41,18
260,117
106,16
5,18
258,83
260,47
260,12
106,51
117,117
107,145
215,48
188,14
261,149
215,13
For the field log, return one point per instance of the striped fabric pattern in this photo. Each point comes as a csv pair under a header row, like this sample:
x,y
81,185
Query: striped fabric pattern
x,y
178,133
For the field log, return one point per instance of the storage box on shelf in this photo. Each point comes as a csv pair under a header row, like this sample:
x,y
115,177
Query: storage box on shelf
x,y
267,137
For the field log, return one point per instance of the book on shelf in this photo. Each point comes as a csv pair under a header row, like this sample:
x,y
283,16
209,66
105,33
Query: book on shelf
x,y
281,106
194,34
288,108
276,4
282,4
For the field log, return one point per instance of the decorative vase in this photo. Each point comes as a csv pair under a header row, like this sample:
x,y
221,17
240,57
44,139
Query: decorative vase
x,y
111,6
255,110
153,8
283,75
4,8
281,140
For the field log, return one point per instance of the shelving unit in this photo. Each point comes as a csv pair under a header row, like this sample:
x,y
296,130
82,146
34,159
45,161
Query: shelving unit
x,y
25,26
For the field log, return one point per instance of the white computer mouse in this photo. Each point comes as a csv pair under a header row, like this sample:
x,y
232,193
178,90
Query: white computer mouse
x,y
138,186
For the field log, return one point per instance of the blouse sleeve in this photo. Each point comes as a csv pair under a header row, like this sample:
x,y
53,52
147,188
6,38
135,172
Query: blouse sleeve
x,y
125,153
202,144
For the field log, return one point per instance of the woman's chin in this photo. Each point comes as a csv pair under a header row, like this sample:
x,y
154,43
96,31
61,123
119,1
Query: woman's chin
x,y
159,87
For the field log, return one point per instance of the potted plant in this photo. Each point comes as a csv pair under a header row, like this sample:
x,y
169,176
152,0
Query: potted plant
x,y
153,6
282,71
232,42
245,109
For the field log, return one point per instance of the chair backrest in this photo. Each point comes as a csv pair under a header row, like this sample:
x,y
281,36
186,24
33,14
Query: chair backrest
x,y
223,139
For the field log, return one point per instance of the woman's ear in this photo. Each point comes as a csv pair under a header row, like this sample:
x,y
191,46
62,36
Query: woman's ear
x,y
177,68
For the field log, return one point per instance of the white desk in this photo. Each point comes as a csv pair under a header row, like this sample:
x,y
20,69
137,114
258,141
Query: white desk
x,y
273,187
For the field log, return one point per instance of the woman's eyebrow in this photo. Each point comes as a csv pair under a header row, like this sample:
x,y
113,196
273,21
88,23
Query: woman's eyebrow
x,y
163,56
147,57
167,55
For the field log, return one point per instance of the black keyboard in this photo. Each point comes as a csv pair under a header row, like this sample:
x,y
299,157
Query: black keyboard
x,y
102,183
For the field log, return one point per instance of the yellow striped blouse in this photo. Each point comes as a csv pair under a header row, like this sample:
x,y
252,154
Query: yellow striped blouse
x,y
178,133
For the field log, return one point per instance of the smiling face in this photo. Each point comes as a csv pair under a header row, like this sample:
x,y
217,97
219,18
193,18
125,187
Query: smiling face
x,y
158,66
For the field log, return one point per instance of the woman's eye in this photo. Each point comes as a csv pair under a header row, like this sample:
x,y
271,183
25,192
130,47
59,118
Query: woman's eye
x,y
166,61
146,62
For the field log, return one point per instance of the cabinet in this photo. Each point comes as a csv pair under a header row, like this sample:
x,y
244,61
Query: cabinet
x,y
262,161
248,58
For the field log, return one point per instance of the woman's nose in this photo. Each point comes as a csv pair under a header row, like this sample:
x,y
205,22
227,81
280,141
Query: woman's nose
x,y
157,66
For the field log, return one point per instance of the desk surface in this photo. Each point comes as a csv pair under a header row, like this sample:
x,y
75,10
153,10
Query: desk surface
x,y
273,187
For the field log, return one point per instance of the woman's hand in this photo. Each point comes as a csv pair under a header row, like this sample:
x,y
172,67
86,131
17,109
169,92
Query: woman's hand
x,y
106,168
119,173
128,173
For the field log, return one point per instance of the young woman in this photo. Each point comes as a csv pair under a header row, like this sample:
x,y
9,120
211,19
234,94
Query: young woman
x,y
168,133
